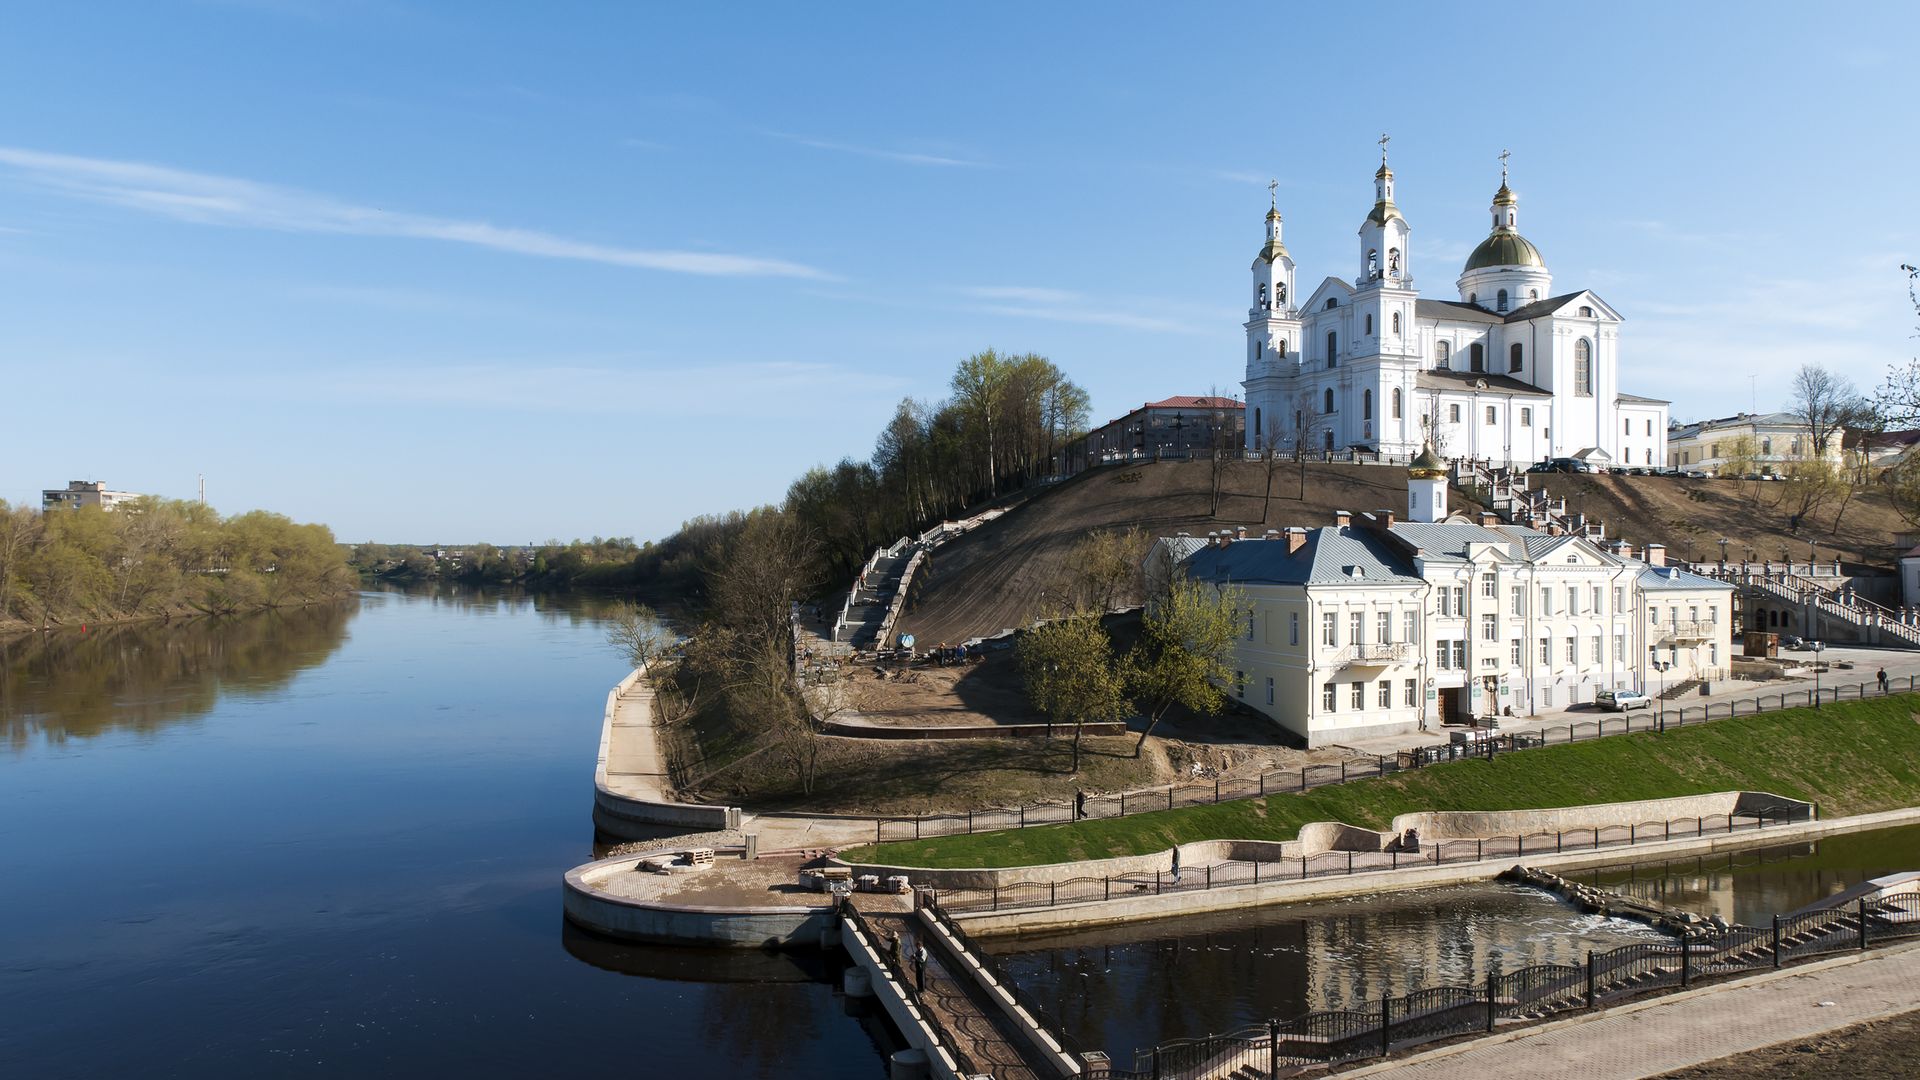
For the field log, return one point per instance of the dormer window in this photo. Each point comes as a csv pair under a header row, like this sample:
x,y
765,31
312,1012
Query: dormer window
x,y
1586,312
1332,302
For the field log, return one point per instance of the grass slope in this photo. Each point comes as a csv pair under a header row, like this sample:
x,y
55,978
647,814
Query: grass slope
x,y
1855,758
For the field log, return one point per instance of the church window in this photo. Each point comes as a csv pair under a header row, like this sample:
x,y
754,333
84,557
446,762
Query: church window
x,y
1649,427
1263,295
1526,417
1326,403
1329,440
1280,347
1333,346
1393,261
1453,414
1583,368
1256,427
1369,323
1442,354
1533,294
1476,357
1396,403
1257,350
1649,457
1493,417
1396,324
1473,298
1332,302
1366,405
1586,312
1373,262
1500,301
1629,427
1514,357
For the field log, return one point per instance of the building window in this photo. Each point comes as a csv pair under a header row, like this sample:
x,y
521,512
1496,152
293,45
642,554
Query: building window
x,y
1280,348
1619,599
1440,654
1396,324
1619,648
1249,626
1386,693
1366,404
1583,368
1269,689
1327,698
1596,599
1453,414
1573,650
1546,652
1412,694
1626,427
1476,357
1332,303
1500,300
1328,631
1649,427
1369,323
1383,627
1326,402
1586,312
1328,441
1489,628
1516,596
1240,685
1410,630
1357,627
1487,585
1293,628
1573,599
1514,653
1442,354
1493,416
1333,346
1460,654
1513,358
1460,601
1526,417
1359,696
1546,600
1766,446
1396,403
1599,657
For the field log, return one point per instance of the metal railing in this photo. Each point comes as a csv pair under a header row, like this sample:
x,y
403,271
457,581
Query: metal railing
x,y
888,952
1308,777
1421,1016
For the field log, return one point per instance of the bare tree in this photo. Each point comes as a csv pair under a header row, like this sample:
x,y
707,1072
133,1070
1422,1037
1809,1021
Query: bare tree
x,y
1826,404
1897,403
637,632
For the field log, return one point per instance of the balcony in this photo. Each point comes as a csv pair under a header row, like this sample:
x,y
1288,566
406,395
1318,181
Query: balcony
x,y
1377,655
1684,630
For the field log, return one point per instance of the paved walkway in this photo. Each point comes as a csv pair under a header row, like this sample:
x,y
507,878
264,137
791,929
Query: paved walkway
x,y
634,765
1684,1029
956,1003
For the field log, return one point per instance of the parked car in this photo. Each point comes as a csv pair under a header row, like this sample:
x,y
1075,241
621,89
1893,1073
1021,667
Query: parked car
x,y
1799,645
1791,641
1562,465
1697,474
1622,700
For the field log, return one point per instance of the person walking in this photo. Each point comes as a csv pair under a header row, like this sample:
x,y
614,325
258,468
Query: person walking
x,y
1882,677
920,968
1176,864
1080,797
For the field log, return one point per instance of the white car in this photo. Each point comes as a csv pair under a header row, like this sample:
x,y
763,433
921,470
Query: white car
x,y
1622,700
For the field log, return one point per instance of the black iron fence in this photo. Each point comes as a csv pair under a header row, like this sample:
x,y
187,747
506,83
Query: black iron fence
x,y
1016,895
1484,745
888,948
1332,1037
931,907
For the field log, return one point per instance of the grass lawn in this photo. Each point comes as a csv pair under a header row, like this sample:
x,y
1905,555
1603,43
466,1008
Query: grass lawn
x,y
1850,758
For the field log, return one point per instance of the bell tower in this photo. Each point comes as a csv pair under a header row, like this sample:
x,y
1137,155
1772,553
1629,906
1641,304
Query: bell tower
x,y
1273,332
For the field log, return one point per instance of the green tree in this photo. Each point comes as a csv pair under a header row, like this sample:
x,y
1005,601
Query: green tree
x,y
1071,675
1186,643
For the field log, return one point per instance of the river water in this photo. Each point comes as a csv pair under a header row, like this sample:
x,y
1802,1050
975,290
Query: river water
x,y
329,842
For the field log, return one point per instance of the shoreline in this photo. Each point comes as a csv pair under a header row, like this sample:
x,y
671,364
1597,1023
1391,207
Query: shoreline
x,y
11,629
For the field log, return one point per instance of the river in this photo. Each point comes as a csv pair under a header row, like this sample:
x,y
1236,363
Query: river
x,y
329,841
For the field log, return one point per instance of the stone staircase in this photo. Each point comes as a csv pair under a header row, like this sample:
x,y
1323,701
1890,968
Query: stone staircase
x,y
1872,623
1518,504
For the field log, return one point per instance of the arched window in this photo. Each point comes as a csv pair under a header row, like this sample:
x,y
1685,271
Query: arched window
x,y
1326,403
1262,296
1476,357
1256,428
1396,403
1533,294
1393,261
1586,312
1473,298
1369,322
1500,301
1366,405
1509,219
1442,354
1333,347
1583,367
1258,350
1329,440
1280,347
1396,324
1513,357
1373,262
1332,302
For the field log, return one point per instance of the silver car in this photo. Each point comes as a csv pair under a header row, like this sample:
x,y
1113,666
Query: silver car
x,y
1622,700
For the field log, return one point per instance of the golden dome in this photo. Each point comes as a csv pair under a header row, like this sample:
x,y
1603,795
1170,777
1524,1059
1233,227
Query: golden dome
x,y
1428,465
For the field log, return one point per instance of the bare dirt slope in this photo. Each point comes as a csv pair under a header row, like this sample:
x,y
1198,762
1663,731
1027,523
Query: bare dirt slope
x,y
994,577
1690,517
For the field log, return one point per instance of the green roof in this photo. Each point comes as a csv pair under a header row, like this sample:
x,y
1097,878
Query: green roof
x,y
1504,248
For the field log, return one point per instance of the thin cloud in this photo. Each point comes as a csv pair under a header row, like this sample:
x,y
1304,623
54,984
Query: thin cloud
x,y
1060,305
1022,294
206,199
906,157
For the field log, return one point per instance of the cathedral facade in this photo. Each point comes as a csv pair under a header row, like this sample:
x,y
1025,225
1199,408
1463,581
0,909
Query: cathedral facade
x,y
1510,372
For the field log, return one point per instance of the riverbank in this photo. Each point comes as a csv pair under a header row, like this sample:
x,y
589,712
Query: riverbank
x,y
15,628
1848,758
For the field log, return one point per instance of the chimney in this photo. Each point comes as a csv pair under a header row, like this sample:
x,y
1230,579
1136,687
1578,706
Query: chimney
x,y
1656,554
1296,539
1384,517
1536,522
1488,519
1342,518
1272,534
1554,529
1240,533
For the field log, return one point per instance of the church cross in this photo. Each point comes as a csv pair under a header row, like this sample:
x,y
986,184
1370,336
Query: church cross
x,y
1504,155
1384,140
1273,193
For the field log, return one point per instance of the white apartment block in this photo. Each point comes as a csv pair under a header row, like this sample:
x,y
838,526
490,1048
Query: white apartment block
x,y
1772,441
79,493
1375,626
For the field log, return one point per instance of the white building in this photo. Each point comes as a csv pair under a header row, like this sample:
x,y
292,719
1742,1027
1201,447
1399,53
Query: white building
x,y
79,493
1764,443
1511,371
1375,626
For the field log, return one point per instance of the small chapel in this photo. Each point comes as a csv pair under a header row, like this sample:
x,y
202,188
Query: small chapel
x,y
1511,372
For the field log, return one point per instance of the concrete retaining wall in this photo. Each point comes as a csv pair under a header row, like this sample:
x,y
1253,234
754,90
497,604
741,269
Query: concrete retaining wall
x,y
1468,824
960,731
676,924
893,997
631,818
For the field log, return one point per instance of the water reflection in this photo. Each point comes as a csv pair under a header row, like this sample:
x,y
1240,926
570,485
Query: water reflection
x,y
1750,887
1133,986
141,677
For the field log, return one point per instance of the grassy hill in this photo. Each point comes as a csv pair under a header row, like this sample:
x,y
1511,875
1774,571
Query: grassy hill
x,y
993,577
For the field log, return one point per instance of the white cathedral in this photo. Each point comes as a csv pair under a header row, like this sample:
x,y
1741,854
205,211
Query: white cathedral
x,y
1510,372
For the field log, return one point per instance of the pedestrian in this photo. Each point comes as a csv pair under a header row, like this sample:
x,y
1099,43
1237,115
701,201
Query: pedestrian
x,y
1080,797
920,968
1176,864
1883,680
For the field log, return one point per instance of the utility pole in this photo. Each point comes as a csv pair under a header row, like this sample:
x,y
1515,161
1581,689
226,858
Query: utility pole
x,y
203,489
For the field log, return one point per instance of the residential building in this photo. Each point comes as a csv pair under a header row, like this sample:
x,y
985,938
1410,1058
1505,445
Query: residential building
x,y
1375,626
1511,371
1766,442
1180,424
79,493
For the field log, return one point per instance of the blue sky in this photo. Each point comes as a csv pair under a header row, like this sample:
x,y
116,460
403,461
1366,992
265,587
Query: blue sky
x,y
442,272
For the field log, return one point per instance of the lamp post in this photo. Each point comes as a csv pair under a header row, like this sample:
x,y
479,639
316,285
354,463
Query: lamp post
x,y
1818,648
1723,542
1178,423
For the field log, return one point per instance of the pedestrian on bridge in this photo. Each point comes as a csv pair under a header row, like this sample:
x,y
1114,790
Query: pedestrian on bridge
x,y
920,968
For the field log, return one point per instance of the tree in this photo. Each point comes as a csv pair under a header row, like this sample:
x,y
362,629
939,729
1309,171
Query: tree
x,y
1810,484
636,630
1897,403
1741,458
1104,568
1187,639
1826,404
976,390
1070,674
1903,488
20,531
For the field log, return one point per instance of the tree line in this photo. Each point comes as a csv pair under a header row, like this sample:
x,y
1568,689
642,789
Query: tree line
x,y
157,556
